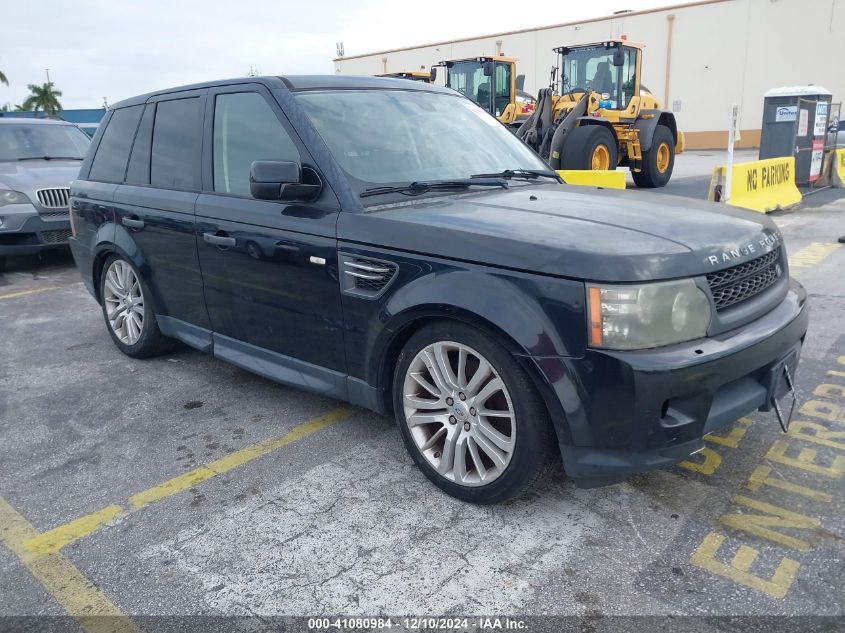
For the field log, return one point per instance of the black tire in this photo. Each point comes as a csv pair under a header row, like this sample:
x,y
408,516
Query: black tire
x,y
2,263
651,176
582,142
151,341
533,434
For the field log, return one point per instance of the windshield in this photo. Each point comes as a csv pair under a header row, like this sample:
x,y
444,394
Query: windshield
x,y
36,140
402,136
591,68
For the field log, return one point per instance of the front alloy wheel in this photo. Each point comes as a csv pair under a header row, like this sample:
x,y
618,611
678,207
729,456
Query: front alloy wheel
x,y
459,413
469,414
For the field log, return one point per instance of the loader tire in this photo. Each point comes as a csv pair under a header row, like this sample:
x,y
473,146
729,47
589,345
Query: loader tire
x,y
658,161
589,147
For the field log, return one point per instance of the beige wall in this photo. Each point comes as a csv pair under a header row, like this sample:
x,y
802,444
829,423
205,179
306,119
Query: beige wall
x,y
723,52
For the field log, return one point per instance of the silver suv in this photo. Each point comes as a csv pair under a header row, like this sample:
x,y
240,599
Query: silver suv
x,y
38,160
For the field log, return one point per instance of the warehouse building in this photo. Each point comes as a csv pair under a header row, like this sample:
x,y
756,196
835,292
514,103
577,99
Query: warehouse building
x,y
699,57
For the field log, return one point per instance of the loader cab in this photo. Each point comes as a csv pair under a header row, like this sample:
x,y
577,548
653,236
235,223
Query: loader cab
x,y
490,82
610,69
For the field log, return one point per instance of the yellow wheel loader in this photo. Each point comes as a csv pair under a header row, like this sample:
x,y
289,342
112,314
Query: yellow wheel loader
x,y
491,82
597,115
413,75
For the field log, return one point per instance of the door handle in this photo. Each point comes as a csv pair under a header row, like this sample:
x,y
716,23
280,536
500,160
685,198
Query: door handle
x,y
218,240
133,223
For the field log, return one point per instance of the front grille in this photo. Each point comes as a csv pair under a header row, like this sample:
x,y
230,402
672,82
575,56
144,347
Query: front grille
x,y
56,198
738,283
59,236
366,277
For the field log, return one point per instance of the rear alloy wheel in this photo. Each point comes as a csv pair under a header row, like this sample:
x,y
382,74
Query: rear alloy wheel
x,y
658,161
124,302
127,311
469,415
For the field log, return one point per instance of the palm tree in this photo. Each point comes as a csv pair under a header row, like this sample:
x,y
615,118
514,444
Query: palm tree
x,y
43,97
3,79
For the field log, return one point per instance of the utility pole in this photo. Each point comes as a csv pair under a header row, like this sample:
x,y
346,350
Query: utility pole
x,y
733,137
47,70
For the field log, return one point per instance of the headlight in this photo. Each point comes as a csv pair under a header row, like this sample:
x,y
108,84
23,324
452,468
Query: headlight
x,y
648,315
7,196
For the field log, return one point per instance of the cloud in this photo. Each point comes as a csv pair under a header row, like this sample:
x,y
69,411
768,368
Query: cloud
x,y
118,49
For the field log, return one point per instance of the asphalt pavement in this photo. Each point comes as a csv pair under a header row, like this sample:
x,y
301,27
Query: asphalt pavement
x,y
185,486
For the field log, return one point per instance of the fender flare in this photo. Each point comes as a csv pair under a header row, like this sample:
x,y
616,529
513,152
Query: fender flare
x,y
116,240
518,323
647,127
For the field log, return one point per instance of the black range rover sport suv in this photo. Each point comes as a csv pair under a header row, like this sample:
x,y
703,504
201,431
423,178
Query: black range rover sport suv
x,y
389,243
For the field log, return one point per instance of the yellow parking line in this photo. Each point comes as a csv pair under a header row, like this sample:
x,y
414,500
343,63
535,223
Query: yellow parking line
x,y
54,540
77,595
811,255
26,293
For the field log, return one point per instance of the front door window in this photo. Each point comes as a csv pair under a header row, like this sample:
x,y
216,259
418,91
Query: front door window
x,y
245,130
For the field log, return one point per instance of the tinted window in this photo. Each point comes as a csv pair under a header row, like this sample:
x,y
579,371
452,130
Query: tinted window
x,y
175,152
139,162
113,153
245,130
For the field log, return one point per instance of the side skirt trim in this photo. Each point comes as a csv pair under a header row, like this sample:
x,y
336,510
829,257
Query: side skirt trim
x,y
274,366
193,335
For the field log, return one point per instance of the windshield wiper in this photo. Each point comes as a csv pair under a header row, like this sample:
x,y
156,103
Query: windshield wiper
x,y
523,174
423,186
50,158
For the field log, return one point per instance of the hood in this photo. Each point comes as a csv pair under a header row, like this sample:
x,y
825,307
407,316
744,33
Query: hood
x,y
589,234
27,176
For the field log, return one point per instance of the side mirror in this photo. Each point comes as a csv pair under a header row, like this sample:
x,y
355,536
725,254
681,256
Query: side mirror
x,y
432,75
520,82
489,69
618,56
282,180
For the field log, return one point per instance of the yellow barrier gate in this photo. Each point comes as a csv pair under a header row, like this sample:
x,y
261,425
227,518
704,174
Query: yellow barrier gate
x,y
760,185
609,179
837,169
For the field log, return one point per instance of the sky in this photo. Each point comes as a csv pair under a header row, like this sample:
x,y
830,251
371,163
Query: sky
x,y
120,48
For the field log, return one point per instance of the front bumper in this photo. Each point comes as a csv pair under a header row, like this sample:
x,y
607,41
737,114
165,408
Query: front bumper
x,y
628,412
25,232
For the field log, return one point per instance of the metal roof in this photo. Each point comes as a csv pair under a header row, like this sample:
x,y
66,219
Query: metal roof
x,y
798,91
545,27
298,82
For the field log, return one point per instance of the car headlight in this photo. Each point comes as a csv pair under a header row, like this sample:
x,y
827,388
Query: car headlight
x,y
641,316
7,196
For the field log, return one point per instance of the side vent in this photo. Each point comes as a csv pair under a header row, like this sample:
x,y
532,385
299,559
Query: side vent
x,y
365,277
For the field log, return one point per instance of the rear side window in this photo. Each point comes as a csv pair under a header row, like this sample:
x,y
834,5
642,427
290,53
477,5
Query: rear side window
x,y
245,130
138,172
109,163
176,144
